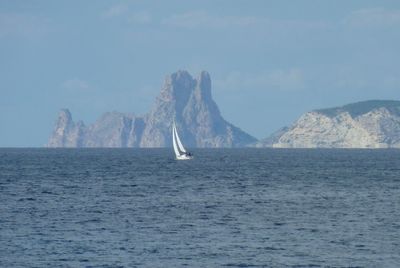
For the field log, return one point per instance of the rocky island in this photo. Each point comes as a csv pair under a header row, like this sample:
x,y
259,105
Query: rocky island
x,y
368,124
184,99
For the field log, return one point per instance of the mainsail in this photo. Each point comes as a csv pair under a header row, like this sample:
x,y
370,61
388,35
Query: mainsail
x,y
180,146
176,148
179,150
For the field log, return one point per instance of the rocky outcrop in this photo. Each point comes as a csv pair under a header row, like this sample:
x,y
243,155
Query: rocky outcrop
x,y
369,124
182,99
189,102
66,133
114,129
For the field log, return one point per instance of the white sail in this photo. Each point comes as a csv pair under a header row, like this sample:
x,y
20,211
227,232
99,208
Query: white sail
x,y
178,140
179,150
176,149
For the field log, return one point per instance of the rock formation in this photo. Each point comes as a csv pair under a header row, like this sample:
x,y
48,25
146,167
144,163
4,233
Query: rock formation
x,y
66,133
186,100
368,124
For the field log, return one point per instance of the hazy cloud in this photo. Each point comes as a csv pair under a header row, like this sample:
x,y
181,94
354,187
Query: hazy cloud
x,y
141,17
125,13
202,19
115,11
373,17
76,84
21,25
284,80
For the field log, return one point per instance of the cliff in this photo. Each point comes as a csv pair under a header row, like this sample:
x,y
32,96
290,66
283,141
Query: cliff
x,y
368,124
184,99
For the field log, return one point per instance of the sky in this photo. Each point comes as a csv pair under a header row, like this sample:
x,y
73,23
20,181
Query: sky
x,y
269,61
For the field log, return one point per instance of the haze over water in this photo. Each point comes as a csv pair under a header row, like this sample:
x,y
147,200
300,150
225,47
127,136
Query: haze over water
x,y
233,207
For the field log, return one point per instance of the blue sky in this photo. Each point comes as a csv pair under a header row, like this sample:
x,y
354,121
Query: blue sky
x,y
269,61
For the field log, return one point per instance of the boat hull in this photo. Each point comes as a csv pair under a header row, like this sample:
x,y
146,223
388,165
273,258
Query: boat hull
x,y
184,157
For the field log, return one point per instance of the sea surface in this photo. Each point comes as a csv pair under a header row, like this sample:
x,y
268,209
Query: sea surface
x,y
225,208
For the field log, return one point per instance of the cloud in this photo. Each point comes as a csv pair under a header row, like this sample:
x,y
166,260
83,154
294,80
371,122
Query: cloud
x,y
141,17
22,25
115,11
205,20
281,80
376,17
76,84
125,13
202,19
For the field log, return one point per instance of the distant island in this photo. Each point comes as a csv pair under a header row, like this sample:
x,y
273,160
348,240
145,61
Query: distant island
x,y
367,124
182,99
188,101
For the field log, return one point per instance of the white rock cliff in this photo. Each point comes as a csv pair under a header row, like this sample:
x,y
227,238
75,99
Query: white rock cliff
x,y
369,124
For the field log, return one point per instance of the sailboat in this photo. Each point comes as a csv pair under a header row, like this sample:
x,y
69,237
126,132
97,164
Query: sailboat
x,y
180,152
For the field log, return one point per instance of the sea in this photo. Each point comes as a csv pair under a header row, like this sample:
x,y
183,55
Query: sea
x,y
224,208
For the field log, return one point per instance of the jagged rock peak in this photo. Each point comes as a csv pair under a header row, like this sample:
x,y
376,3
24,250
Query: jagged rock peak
x,y
64,116
66,133
181,91
203,86
178,85
180,75
64,113
189,103
182,80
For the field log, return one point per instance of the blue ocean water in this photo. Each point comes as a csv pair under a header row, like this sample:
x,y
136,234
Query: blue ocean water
x,y
225,208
